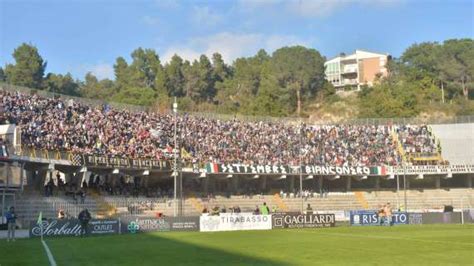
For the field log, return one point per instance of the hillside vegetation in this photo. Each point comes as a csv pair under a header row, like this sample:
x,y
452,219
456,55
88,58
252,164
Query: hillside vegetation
x,y
429,79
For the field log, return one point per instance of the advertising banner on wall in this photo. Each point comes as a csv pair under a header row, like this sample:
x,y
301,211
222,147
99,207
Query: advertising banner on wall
x,y
367,217
297,220
415,218
72,227
134,224
183,223
441,218
235,222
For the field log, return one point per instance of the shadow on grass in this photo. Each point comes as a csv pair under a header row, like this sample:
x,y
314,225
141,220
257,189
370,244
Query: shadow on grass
x,y
22,252
147,249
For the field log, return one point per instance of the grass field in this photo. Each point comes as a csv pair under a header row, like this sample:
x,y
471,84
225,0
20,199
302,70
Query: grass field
x,y
402,245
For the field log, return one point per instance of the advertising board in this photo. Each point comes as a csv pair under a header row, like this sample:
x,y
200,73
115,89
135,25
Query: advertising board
x,y
235,222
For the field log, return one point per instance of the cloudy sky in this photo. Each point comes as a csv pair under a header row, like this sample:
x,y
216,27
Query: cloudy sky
x,y
78,36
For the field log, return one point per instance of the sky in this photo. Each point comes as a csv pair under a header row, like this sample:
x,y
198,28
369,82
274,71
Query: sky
x,y
80,36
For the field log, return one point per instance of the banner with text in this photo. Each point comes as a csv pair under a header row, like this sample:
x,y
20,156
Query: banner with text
x,y
118,162
367,217
133,224
72,227
235,222
297,220
214,168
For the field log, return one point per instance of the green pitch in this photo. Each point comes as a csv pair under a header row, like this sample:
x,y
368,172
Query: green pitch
x,y
401,245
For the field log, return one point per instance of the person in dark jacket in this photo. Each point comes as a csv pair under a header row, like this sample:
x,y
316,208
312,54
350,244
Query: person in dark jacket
x,y
11,222
84,218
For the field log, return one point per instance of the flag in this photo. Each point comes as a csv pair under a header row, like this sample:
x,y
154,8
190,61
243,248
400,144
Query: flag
x,y
378,170
40,218
76,159
185,154
212,168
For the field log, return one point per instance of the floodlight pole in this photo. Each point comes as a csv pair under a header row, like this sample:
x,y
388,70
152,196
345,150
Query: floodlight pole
x,y
301,165
405,185
398,190
175,167
398,185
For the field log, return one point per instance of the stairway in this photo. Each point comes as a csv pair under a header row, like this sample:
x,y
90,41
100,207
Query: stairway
x,y
361,199
280,203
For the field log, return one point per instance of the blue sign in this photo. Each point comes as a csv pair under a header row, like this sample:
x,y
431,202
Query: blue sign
x,y
370,217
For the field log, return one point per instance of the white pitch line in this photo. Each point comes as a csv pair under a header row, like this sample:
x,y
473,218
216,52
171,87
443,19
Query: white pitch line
x,y
389,237
52,262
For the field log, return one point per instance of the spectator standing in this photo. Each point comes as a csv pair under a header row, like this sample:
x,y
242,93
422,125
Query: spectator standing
x,y
388,214
61,214
84,218
11,223
83,196
264,210
256,211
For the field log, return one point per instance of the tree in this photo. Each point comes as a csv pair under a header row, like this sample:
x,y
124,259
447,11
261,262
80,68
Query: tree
x,y
28,69
2,75
422,57
95,89
206,83
122,73
136,96
176,81
199,85
270,100
144,68
220,70
191,76
61,84
449,65
300,70
456,63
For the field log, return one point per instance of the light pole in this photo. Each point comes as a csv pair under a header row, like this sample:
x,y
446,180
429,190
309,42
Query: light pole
x,y
175,150
398,183
405,185
301,165
398,190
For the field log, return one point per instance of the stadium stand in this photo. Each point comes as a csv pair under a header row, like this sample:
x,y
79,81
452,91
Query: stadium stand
x,y
53,124
56,135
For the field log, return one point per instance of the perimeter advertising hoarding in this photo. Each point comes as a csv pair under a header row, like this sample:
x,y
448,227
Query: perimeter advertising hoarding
x,y
371,218
183,223
72,227
134,224
235,222
443,217
297,220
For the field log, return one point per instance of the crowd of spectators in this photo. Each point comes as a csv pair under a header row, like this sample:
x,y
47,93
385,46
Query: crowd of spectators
x,y
55,124
417,139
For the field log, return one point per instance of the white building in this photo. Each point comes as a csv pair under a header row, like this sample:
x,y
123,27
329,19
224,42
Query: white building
x,y
359,68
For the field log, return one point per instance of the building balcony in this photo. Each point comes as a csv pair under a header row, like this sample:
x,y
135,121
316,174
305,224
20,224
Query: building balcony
x,y
349,70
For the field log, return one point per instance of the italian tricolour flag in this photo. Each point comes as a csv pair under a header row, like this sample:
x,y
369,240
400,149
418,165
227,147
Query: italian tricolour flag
x,y
212,168
378,170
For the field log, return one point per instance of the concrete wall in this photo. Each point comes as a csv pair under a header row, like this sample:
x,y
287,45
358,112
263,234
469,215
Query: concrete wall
x,y
457,142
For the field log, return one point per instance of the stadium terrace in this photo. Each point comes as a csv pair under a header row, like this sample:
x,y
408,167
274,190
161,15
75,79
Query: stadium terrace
x,y
130,164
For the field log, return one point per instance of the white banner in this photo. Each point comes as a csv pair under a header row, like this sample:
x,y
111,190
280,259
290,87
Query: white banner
x,y
235,222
